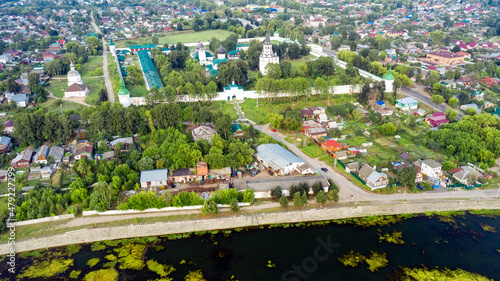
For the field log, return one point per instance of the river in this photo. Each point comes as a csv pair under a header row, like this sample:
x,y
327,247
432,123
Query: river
x,y
468,242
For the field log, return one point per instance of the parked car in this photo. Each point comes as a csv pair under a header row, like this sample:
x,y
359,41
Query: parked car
x,y
324,170
273,130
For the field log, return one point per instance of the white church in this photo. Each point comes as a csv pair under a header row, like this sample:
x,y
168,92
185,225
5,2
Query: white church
x,y
76,88
267,55
206,59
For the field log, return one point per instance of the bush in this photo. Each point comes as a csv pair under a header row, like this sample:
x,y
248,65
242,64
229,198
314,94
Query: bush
x,y
276,192
283,201
316,187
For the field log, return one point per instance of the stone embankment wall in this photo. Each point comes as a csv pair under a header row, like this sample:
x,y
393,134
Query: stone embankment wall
x,y
163,228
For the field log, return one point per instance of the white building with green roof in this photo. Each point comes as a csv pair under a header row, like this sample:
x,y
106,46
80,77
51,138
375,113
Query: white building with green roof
x,y
124,96
389,81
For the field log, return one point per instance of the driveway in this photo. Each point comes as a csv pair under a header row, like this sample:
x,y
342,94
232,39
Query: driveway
x,y
107,80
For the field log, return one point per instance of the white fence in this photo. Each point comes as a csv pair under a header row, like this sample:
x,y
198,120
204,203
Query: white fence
x,y
46,219
167,209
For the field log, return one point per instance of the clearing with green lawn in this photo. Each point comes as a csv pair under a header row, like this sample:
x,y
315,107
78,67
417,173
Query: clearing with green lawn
x,y
93,67
57,87
187,36
258,114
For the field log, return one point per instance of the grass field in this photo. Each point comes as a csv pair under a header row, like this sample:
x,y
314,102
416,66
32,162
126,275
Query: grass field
x,y
313,150
302,61
57,87
66,105
136,90
93,67
95,85
176,37
258,114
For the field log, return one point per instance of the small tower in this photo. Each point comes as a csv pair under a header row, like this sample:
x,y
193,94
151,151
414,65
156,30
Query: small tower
x,y
202,55
112,47
221,52
74,76
124,96
389,81
267,55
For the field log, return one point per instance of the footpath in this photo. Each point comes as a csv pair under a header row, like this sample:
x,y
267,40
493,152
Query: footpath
x,y
163,228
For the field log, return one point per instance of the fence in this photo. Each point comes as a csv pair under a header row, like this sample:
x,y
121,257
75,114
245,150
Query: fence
x,y
46,219
358,178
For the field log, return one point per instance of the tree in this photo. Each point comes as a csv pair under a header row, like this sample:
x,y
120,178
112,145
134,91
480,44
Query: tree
x,y
283,201
274,71
94,45
233,70
456,49
406,176
33,79
276,120
333,195
451,115
453,102
297,200
134,75
357,115
303,198
234,205
276,192
437,99
470,111
388,129
316,187
321,197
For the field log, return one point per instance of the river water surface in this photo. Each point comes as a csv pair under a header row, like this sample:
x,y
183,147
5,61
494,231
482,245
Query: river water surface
x,y
312,253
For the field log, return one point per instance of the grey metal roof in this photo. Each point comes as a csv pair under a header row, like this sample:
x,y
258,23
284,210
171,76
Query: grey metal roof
x,y
374,176
154,175
407,100
272,152
127,140
5,140
432,163
19,97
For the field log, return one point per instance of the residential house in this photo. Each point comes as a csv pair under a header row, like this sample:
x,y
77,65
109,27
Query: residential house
x,y
203,132
5,143
46,172
471,105
373,179
125,141
407,103
317,110
444,58
57,153
331,145
273,156
108,155
41,155
202,169
307,114
237,131
477,95
154,178
183,175
431,168
83,149
490,81
3,175
341,155
21,100
23,159
352,167
315,132
464,174
322,118
381,108
8,127
436,119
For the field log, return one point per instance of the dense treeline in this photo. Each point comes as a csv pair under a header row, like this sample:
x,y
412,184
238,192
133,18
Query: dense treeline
x,y
474,139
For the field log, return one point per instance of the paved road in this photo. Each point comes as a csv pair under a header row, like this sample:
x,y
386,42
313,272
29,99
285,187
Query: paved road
x,y
422,97
107,80
350,192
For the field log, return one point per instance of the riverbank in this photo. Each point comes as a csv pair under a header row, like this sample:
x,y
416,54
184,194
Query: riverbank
x,y
163,228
